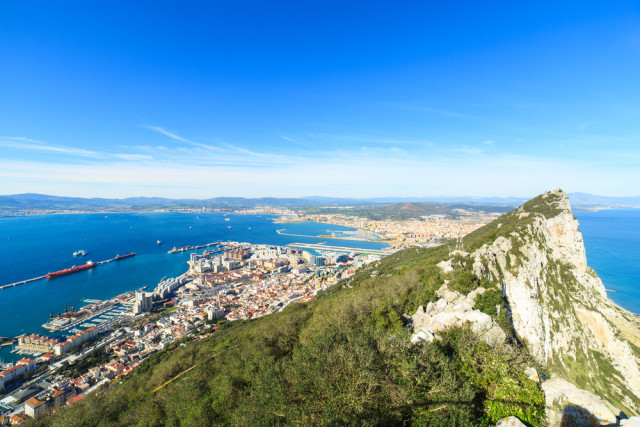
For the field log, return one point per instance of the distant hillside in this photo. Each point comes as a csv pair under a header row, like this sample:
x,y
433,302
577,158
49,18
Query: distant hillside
x,y
374,208
45,202
359,207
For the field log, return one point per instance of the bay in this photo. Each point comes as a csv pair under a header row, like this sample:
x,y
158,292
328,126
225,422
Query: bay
x,y
32,246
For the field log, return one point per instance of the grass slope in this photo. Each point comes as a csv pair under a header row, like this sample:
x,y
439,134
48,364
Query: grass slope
x,y
344,358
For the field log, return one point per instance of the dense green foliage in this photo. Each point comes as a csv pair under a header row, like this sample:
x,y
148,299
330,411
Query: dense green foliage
x,y
345,358
95,358
489,302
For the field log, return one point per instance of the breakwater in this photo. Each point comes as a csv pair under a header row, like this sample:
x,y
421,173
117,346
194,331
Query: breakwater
x,y
22,282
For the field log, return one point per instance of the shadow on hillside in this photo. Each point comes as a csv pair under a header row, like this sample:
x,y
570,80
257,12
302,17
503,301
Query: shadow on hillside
x,y
574,415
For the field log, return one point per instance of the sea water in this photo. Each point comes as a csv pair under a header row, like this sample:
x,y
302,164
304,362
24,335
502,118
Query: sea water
x,y
612,241
32,246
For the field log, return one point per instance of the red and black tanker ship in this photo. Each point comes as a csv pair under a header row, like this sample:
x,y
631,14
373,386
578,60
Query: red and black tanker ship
x,y
86,266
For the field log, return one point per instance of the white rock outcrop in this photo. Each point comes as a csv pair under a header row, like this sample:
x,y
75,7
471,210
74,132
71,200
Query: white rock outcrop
x,y
630,422
566,404
510,422
454,309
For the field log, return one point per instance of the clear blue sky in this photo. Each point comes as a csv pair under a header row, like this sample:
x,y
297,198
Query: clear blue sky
x,y
204,99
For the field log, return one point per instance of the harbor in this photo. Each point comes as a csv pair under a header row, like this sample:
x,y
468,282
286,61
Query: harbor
x,y
104,240
98,314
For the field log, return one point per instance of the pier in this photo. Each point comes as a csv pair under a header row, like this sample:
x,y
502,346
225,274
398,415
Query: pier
x,y
22,282
191,248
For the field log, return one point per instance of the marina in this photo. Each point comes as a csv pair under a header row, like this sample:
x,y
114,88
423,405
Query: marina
x,y
101,314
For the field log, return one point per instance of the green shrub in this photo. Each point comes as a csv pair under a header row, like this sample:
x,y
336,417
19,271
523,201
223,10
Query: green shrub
x,y
464,282
489,301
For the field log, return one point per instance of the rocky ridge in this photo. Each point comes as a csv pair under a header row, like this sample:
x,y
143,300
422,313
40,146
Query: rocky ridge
x,y
558,309
455,309
558,305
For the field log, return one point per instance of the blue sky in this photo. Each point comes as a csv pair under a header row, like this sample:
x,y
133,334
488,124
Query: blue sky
x,y
358,99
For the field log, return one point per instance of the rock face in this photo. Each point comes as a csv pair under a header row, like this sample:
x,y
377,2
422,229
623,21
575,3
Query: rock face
x,y
558,305
455,309
569,405
510,422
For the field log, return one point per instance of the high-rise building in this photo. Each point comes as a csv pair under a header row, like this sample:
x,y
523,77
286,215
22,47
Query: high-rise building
x,y
143,302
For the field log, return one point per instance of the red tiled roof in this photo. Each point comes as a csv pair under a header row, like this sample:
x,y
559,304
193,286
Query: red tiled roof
x,y
34,403
76,398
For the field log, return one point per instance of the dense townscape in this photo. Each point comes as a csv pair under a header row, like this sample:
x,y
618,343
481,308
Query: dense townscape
x,y
230,282
430,229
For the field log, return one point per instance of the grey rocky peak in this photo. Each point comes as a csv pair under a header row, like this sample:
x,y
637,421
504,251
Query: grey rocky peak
x,y
558,305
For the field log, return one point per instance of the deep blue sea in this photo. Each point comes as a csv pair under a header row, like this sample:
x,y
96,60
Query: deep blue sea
x,y
35,245
612,240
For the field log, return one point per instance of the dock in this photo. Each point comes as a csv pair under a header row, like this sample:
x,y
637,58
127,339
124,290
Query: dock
x,y
22,282
191,248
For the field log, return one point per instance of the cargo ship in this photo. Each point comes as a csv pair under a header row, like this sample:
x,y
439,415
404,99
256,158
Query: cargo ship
x,y
86,266
119,257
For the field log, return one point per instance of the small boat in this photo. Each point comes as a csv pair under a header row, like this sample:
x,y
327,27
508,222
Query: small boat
x,y
159,242
80,252
227,219
229,227
190,227
249,228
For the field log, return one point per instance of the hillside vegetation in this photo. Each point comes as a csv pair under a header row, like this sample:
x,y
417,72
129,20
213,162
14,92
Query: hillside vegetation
x,y
345,358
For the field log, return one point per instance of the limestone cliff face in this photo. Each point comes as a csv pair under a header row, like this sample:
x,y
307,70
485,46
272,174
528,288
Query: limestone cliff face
x,y
559,307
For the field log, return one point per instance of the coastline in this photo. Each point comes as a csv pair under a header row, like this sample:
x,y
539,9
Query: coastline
x,y
103,239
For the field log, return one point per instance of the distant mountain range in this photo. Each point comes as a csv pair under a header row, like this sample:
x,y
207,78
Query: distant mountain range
x,y
30,201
